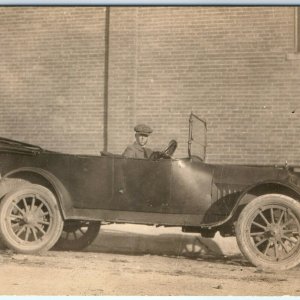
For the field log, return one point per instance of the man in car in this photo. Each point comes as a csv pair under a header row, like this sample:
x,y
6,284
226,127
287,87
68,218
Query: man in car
x,y
138,149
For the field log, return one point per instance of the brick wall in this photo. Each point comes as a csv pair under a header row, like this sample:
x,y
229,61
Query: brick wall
x,y
52,63
226,64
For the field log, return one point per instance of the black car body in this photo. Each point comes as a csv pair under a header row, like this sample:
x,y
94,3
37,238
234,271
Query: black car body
x,y
41,188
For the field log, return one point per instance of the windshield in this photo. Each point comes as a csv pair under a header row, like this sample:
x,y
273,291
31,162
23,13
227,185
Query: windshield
x,y
197,137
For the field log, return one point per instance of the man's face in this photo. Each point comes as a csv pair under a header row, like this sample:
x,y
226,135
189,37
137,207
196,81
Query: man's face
x,y
141,139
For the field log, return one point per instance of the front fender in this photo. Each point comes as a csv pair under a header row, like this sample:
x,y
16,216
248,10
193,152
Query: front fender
x,y
268,187
262,188
252,192
42,177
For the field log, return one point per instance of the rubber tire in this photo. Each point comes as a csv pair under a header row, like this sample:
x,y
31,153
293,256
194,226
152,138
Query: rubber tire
x,y
56,224
85,240
243,240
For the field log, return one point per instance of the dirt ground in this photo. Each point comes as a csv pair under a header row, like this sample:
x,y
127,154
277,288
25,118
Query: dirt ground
x,y
99,271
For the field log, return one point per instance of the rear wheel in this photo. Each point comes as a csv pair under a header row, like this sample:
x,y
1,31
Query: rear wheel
x,y
77,235
30,220
268,232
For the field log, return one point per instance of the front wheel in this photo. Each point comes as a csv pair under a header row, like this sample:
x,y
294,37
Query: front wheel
x,y
268,232
30,220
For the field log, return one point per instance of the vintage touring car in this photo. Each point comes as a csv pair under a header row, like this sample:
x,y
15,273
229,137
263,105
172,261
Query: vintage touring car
x,y
51,199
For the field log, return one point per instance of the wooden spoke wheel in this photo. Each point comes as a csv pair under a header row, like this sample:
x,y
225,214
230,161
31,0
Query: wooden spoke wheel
x,y
268,232
77,235
30,220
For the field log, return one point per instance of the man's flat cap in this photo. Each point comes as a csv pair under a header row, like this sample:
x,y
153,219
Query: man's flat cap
x,y
143,129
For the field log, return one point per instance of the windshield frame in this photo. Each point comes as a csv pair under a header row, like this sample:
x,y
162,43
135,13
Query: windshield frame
x,y
190,140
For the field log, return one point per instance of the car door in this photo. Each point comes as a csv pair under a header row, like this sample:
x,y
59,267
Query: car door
x,y
141,185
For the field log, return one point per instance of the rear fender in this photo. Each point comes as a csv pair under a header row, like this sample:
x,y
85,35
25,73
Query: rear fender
x,y
9,184
42,177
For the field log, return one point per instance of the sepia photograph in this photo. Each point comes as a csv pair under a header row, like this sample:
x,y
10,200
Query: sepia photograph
x,y
150,150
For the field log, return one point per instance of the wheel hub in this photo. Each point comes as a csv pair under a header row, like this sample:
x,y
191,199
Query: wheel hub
x,y
275,232
30,219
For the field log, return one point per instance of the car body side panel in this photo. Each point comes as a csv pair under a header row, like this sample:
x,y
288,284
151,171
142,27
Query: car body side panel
x,y
90,181
114,188
87,179
191,187
58,165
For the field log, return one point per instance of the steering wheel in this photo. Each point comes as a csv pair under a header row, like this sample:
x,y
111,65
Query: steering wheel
x,y
167,153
